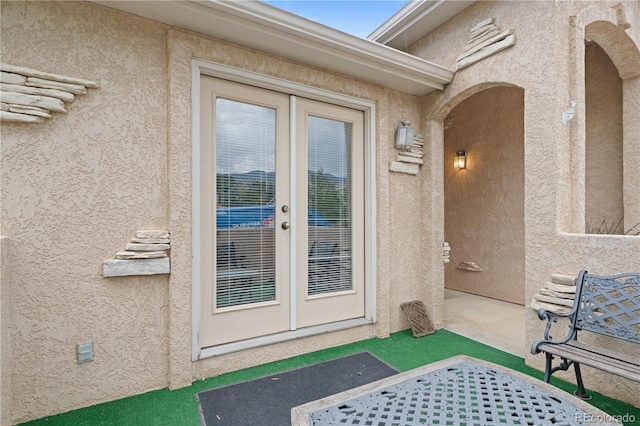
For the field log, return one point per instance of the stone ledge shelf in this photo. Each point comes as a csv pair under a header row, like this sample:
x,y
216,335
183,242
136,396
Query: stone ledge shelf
x,y
31,96
146,254
121,267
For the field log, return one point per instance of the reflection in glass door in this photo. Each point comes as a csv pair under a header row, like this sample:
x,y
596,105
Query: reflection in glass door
x,y
244,165
329,197
245,196
331,161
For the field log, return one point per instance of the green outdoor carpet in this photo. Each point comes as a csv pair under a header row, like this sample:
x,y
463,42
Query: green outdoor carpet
x,y
401,350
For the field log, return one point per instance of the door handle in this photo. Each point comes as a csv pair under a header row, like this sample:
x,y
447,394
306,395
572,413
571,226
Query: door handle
x,y
285,225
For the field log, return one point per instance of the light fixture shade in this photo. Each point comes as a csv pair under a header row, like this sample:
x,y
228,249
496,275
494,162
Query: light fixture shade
x,y
460,160
404,135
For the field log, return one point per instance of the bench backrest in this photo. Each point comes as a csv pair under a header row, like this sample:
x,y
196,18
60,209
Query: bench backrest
x,y
609,305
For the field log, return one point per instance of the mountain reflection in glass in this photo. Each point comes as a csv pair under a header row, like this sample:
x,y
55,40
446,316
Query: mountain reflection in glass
x,y
329,193
245,190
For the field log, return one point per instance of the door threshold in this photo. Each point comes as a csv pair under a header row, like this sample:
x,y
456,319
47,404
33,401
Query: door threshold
x,y
281,337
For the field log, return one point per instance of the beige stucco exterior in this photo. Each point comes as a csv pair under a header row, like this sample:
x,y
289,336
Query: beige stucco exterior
x,y
75,189
549,66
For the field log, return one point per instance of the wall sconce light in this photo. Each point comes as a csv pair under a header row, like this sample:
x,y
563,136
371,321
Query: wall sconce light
x,y
404,135
460,161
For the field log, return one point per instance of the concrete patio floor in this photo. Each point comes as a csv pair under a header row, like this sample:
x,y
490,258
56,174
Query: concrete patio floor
x,y
492,322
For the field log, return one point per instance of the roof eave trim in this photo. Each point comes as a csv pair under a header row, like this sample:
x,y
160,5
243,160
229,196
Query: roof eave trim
x,y
322,35
297,39
399,21
416,20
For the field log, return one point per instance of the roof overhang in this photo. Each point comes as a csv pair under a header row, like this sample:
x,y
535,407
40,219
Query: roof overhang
x,y
415,20
265,28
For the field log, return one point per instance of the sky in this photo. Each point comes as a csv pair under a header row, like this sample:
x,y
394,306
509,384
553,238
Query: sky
x,y
356,17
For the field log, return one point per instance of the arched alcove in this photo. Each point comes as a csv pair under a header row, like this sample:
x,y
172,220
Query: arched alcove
x,y
483,212
612,129
484,203
617,44
604,197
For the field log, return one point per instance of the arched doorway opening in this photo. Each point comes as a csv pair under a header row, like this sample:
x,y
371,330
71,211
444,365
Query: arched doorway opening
x,y
484,218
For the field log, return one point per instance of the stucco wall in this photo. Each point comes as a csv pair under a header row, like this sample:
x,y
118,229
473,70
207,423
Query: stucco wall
x,y
547,61
484,217
76,188
5,334
407,219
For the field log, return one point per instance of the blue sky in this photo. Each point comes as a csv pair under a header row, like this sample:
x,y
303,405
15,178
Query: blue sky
x,y
357,17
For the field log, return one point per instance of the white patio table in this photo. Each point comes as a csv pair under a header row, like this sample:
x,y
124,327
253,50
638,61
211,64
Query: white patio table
x,y
456,391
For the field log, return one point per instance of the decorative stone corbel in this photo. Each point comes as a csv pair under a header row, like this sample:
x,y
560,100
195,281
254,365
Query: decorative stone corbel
x,y
30,96
485,39
146,254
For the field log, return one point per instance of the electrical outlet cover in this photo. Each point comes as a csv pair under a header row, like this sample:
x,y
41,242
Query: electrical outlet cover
x,y
85,352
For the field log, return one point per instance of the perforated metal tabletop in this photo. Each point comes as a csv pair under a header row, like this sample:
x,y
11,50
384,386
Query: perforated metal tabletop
x,y
460,391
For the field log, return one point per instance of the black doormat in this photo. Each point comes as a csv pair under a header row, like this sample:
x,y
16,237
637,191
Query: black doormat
x,y
268,401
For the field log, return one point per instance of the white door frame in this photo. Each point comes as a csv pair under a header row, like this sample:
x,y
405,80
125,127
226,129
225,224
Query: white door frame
x,y
200,67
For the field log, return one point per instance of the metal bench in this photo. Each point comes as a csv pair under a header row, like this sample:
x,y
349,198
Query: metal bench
x,y
608,305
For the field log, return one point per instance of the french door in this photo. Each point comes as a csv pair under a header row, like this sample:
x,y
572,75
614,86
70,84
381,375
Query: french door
x,y
282,208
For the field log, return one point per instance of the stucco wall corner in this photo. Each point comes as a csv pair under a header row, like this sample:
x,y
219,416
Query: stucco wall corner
x,y
631,153
408,280
180,215
549,67
5,333
383,188
433,212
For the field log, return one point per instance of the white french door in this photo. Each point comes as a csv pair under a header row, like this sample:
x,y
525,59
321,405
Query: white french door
x,y
330,276
276,259
244,157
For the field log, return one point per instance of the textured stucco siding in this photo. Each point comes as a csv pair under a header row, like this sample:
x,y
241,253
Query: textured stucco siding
x,y
406,220
5,334
76,188
547,62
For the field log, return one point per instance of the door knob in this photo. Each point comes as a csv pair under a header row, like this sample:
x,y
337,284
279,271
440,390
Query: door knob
x,y
286,225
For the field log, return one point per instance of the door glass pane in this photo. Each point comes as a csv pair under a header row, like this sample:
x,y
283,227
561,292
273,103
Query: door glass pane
x,y
329,202
245,192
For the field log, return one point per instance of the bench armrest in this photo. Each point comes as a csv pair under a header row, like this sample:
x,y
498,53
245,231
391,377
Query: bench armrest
x,y
545,314
552,318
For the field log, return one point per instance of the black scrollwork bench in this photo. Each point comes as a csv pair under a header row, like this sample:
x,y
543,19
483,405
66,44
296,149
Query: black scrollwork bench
x,y
608,305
